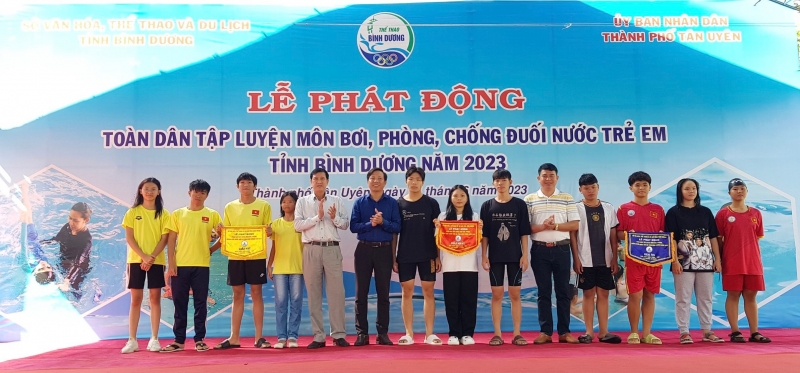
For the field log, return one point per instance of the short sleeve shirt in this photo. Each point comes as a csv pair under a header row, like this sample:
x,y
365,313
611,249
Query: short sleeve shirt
x,y
147,231
741,253
194,229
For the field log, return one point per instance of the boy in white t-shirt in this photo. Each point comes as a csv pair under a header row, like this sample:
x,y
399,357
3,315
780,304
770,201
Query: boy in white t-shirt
x,y
595,257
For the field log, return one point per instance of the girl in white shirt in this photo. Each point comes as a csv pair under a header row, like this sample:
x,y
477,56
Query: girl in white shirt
x,y
460,274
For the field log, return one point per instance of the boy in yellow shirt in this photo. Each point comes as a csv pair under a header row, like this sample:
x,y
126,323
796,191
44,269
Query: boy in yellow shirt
x,y
190,232
247,210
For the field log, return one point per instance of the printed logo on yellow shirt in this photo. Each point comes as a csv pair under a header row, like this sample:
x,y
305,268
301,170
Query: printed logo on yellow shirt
x,y
205,219
256,213
138,217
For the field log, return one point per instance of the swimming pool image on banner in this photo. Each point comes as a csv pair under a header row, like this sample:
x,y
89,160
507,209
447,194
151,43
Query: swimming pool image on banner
x,y
97,97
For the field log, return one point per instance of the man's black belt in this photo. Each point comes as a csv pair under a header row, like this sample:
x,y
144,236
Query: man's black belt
x,y
323,244
552,244
374,243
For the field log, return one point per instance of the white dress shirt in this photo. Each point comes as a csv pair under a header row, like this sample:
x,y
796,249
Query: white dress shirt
x,y
314,229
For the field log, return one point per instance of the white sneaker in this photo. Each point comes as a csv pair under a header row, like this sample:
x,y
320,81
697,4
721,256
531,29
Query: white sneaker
x,y
467,341
153,345
452,341
130,347
292,343
281,343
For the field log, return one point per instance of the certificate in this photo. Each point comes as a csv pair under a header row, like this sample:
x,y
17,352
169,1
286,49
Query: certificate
x,y
458,237
244,243
650,249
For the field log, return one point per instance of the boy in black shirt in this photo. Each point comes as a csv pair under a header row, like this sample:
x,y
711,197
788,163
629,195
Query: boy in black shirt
x,y
416,251
505,223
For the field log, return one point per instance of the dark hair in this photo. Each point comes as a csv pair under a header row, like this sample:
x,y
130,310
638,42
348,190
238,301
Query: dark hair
x,y
83,209
450,212
501,173
639,176
547,167
587,179
376,169
200,185
140,198
287,194
45,277
318,170
679,200
247,176
418,170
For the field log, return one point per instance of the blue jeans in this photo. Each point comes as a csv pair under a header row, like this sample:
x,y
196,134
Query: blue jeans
x,y
288,294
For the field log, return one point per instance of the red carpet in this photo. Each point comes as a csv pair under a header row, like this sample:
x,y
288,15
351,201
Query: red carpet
x,y
783,354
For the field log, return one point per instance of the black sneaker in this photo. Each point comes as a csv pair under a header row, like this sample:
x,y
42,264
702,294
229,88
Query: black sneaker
x,y
315,345
341,342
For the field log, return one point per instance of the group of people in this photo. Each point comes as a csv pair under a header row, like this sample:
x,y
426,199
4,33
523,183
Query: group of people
x,y
398,235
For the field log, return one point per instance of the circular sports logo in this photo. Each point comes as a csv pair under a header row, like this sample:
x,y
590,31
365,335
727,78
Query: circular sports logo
x,y
385,40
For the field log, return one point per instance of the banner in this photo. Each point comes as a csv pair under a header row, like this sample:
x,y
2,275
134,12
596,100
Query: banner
x,y
650,249
458,237
95,98
243,243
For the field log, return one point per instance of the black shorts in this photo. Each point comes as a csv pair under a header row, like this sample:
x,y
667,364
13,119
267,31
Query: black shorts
x,y
600,277
136,276
497,272
252,272
427,271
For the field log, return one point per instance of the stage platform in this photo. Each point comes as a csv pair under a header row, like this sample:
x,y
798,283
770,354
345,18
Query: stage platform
x,y
782,355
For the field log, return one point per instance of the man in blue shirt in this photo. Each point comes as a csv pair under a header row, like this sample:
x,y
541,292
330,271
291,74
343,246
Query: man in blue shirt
x,y
375,220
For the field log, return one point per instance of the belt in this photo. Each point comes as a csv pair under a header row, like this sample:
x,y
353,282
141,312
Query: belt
x,y
374,243
323,244
552,244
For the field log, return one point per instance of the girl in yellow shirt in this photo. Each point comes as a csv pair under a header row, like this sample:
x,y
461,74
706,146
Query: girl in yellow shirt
x,y
146,234
287,274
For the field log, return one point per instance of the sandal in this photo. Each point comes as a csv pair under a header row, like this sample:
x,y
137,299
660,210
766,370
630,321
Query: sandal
x,y
610,338
226,344
200,346
711,337
519,341
586,338
758,338
433,340
652,340
262,343
496,341
737,337
172,347
686,339
405,340
633,339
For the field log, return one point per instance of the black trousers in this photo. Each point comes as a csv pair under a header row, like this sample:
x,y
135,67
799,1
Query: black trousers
x,y
551,267
368,260
461,302
196,280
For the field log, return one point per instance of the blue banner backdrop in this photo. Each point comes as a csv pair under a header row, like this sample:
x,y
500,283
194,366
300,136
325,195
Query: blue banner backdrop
x,y
97,97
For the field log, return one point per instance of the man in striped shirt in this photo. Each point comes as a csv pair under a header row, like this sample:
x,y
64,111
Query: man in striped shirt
x,y
553,214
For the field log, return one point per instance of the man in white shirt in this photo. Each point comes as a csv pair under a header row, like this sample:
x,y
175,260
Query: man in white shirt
x,y
553,215
318,217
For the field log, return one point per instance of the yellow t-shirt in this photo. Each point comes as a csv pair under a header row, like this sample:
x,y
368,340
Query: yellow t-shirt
x,y
194,230
238,214
147,231
288,248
